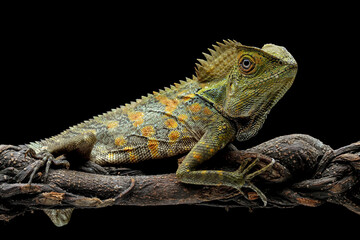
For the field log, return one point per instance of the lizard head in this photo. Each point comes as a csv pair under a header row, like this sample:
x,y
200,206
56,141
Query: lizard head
x,y
244,83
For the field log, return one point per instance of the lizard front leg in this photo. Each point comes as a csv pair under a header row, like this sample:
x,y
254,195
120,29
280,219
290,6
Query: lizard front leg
x,y
213,140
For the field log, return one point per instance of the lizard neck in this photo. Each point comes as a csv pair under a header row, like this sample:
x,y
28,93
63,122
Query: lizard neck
x,y
249,123
215,93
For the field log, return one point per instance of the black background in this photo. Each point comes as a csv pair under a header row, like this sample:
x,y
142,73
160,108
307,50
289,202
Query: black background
x,y
64,64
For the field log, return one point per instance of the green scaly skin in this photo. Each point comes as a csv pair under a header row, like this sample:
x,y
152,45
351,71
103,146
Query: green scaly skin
x,y
229,98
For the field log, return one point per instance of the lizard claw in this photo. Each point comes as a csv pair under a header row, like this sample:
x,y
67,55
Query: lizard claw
x,y
245,178
41,159
46,159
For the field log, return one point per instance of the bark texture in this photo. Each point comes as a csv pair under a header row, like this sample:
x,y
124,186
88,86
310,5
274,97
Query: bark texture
x,y
307,172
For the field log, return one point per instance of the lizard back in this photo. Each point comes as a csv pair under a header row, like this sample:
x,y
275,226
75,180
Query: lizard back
x,y
163,124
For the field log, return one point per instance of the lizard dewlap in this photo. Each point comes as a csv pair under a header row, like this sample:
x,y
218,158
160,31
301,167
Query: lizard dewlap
x,y
227,99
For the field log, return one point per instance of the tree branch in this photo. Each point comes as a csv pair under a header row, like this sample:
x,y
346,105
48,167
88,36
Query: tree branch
x,y
307,172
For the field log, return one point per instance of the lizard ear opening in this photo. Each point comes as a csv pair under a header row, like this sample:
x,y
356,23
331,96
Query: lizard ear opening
x,y
218,64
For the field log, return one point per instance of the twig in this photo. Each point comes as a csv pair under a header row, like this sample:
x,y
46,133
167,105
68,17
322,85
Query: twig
x,y
307,172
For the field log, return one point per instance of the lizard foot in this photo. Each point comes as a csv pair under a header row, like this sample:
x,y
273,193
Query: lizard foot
x,y
41,159
92,167
244,179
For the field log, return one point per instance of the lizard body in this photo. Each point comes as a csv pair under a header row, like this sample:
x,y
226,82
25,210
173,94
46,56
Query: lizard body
x,y
228,98
163,124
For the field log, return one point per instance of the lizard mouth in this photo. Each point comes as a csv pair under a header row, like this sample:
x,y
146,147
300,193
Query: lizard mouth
x,y
287,74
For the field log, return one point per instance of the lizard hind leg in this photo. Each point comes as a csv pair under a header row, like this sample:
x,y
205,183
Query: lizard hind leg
x,y
58,151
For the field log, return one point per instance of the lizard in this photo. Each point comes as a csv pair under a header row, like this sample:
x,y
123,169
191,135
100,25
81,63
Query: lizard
x,y
227,99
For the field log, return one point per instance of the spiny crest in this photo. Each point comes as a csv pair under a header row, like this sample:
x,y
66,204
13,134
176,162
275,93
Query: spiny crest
x,y
141,100
218,62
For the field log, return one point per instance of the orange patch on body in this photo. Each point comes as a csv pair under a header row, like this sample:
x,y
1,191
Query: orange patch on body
x,y
188,97
112,124
182,118
136,117
195,107
148,131
153,146
207,111
170,104
171,123
120,141
173,136
132,156
197,156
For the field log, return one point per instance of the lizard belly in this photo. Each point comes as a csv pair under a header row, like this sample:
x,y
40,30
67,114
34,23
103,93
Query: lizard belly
x,y
136,148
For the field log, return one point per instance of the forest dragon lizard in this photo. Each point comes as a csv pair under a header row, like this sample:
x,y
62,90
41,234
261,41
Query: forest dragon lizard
x,y
228,98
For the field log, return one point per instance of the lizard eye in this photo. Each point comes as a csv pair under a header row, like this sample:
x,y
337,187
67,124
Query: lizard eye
x,y
247,64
